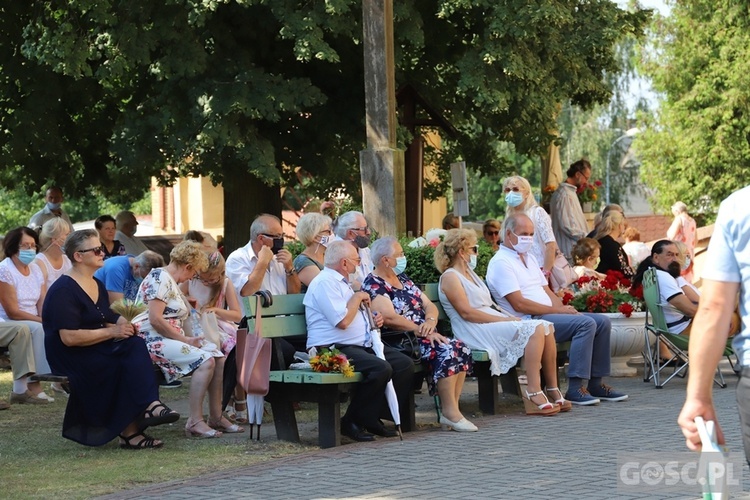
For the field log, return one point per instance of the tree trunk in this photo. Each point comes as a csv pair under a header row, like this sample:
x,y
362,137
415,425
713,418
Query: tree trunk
x,y
245,197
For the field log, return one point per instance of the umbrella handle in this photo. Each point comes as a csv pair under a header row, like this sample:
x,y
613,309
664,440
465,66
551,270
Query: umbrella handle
x,y
367,309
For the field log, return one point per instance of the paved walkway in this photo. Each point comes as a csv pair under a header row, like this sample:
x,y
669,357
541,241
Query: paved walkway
x,y
576,455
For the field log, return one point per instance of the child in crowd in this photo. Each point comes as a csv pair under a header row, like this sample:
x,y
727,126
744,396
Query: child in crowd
x,y
586,258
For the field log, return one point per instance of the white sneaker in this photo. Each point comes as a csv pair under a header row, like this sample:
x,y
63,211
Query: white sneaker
x,y
43,395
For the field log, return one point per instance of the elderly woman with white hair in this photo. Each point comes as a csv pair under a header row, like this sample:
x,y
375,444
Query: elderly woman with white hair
x,y
683,229
519,199
314,231
404,307
52,260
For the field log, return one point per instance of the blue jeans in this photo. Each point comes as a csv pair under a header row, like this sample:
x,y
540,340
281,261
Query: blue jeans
x,y
588,334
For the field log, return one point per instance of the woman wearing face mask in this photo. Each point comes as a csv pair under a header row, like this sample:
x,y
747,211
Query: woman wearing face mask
x,y
52,260
22,292
491,232
314,231
480,323
518,199
404,307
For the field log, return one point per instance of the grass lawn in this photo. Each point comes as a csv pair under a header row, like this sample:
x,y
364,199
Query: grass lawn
x,y
37,462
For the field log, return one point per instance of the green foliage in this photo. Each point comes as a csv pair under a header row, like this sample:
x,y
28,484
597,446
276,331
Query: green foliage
x,y
697,150
108,94
421,264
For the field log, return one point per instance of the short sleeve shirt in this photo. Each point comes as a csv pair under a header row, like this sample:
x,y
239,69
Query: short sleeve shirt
x,y
325,307
28,288
241,263
507,273
728,259
669,289
117,276
159,285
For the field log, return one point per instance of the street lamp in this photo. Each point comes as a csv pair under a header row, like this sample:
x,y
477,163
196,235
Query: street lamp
x,y
628,133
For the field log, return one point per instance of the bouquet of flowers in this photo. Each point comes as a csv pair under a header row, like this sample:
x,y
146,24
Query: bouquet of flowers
x,y
332,360
587,192
127,308
612,294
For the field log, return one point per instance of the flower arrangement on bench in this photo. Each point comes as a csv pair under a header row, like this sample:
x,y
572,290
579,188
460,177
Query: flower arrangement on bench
x,y
612,294
332,361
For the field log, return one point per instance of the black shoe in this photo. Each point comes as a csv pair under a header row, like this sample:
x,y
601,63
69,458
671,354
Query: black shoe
x,y
380,430
171,385
357,433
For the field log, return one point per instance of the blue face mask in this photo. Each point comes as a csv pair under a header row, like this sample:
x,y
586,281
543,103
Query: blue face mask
x,y
513,198
27,256
400,265
53,206
472,262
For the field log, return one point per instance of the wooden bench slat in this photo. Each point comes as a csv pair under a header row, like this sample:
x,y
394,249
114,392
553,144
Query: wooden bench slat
x,y
281,326
330,378
282,304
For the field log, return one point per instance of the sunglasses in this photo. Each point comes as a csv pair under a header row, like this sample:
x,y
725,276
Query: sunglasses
x,y
493,233
97,250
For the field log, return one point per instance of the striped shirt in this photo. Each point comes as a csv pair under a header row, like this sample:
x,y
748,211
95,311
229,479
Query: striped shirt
x,y
568,222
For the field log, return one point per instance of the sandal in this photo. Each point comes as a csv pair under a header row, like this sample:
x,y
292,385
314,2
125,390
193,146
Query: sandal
x,y
533,408
227,429
145,442
240,416
563,403
191,432
154,416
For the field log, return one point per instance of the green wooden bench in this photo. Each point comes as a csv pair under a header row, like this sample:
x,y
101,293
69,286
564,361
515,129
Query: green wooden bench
x,y
487,384
286,319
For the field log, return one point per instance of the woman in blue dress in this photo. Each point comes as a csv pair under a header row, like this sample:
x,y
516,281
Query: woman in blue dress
x,y
404,307
112,383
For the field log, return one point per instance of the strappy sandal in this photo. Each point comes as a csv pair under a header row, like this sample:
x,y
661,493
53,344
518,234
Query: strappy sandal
x,y
146,442
533,408
240,416
563,403
154,416
191,432
227,429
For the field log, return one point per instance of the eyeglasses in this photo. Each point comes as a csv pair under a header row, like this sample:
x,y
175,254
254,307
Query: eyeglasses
x,y
493,233
366,229
207,282
355,262
97,250
27,246
272,236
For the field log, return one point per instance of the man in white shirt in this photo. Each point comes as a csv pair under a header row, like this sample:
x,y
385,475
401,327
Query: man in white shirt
x,y
725,273
678,309
336,317
519,287
127,225
264,263
52,208
568,221
352,226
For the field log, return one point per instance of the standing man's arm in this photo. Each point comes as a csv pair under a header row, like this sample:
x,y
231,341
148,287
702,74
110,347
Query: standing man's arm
x,y
708,338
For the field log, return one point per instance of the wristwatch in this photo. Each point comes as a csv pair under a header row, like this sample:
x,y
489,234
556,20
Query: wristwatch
x,y
292,272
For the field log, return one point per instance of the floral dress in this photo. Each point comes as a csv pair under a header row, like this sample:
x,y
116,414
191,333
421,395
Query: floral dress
x,y
175,359
443,360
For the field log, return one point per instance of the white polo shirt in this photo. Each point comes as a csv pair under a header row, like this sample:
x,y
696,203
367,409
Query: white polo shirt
x,y
669,289
507,273
325,307
241,263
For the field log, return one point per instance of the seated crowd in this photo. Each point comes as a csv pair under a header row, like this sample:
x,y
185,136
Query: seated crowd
x,y
56,288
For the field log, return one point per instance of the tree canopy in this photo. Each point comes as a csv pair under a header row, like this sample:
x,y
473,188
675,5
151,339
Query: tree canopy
x,y
107,93
697,147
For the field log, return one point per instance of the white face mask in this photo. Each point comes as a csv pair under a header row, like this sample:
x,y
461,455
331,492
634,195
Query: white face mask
x,y
324,240
524,243
472,262
687,263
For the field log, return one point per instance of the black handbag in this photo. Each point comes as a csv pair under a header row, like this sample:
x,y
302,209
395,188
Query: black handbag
x,y
405,342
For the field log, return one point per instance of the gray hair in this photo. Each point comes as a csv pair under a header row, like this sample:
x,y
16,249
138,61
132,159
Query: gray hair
x,y
511,222
260,225
336,251
382,247
75,239
345,222
149,260
309,225
123,217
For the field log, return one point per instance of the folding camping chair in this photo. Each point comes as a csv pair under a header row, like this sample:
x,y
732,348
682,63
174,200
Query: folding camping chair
x,y
676,344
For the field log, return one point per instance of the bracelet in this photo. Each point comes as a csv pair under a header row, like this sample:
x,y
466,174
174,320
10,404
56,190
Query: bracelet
x,y
292,272
431,319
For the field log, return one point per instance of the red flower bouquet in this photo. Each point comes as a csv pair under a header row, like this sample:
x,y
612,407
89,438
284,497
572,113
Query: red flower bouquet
x,y
332,360
613,294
